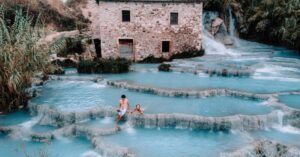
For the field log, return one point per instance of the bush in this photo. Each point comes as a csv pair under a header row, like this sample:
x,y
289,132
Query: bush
x,y
86,66
181,55
119,65
188,54
57,71
71,46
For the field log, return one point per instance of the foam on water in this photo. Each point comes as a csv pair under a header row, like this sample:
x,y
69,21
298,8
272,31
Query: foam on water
x,y
287,129
213,47
90,153
106,122
28,124
286,135
130,130
275,72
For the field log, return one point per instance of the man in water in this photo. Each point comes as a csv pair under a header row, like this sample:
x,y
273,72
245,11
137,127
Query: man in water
x,y
123,107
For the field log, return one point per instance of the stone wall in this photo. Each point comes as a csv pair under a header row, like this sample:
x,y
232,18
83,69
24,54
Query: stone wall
x,y
149,26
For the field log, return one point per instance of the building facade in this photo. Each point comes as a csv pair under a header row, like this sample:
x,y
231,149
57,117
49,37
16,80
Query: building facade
x,y
136,29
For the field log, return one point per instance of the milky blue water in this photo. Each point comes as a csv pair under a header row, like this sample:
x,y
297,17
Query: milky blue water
x,y
70,96
176,143
106,122
15,118
195,81
292,100
285,134
43,128
68,147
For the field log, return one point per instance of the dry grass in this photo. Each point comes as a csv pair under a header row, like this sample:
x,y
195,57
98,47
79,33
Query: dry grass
x,y
53,13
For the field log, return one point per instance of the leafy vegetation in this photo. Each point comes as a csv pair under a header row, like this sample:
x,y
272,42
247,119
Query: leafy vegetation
x,y
70,45
153,59
275,21
188,54
119,65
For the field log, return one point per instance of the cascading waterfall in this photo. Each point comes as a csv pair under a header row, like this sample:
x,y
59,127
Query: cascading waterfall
x,y
280,118
211,45
232,30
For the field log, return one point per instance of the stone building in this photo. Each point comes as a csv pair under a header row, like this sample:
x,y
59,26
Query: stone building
x,y
136,29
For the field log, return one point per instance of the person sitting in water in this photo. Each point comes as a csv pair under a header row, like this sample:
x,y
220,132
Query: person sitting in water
x,y
138,109
123,107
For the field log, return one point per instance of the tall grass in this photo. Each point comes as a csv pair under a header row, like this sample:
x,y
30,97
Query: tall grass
x,y
20,57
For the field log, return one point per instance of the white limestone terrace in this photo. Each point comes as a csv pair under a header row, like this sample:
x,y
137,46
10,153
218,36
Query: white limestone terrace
x,y
265,147
97,136
176,92
289,115
69,123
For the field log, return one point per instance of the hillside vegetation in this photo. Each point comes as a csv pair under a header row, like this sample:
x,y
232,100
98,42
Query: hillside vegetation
x,y
53,13
270,21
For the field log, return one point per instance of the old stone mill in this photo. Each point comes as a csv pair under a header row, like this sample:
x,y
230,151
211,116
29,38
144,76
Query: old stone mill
x,y
209,84
137,29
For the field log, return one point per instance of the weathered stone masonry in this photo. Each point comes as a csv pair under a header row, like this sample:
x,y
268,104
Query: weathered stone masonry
x,y
148,27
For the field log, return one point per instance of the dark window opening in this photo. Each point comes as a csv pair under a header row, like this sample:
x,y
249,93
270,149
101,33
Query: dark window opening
x,y
174,18
125,15
166,46
97,43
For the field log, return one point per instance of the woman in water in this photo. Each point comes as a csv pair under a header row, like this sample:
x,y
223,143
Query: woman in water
x,y
138,109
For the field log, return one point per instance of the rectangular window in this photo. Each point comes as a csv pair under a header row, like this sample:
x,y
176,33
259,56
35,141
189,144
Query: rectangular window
x,y
166,46
174,18
97,43
125,15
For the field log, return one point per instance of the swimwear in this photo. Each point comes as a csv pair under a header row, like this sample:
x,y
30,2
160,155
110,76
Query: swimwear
x,y
122,112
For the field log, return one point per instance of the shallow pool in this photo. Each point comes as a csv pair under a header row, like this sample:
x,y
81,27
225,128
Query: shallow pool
x,y
15,118
286,134
292,100
179,80
66,147
76,96
176,143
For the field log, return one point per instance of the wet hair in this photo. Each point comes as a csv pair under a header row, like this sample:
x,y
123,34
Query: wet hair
x,y
138,105
123,96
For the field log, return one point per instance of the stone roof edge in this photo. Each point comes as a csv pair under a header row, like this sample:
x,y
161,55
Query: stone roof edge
x,y
155,1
